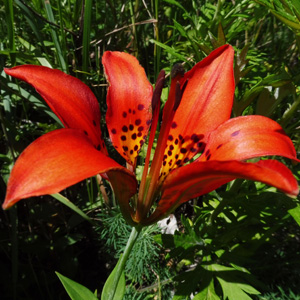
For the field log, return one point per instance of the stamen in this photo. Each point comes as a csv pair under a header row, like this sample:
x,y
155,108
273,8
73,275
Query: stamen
x,y
155,111
178,96
158,89
171,105
177,70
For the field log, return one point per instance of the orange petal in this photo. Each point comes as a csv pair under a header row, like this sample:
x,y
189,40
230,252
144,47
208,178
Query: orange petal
x,y
128,103
57,160
246,137
199,178
206,103
69,98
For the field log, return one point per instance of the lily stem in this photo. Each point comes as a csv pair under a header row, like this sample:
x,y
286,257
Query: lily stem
x,y
122,262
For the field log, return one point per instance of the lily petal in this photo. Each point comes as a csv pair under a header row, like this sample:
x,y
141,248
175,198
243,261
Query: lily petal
x,y
129,98
199,178
69,98
246,137
57,160
206,103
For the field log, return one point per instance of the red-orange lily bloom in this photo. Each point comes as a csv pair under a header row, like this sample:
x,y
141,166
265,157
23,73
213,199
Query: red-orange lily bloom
x,y
196,119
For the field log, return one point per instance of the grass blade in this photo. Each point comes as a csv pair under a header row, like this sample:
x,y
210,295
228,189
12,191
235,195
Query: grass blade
x,y
55,39
86,34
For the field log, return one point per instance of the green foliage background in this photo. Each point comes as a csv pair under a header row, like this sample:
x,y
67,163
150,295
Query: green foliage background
x,y
234,243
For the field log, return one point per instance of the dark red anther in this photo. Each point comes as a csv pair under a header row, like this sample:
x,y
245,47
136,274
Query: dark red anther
x,y
178,96
177,70
158,89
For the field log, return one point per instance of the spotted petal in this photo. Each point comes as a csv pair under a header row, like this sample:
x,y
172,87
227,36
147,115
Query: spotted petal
x,y
206,103
199,178
57,160
69,98
128,103
246,137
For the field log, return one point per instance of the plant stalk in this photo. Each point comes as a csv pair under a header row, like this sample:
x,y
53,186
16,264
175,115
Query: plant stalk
x,y
121,264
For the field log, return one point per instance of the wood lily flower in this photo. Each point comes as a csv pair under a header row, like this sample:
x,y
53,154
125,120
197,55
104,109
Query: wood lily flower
x,y
196,119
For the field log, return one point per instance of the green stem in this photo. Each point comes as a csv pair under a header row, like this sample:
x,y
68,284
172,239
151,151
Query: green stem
x,y
122,262
289,113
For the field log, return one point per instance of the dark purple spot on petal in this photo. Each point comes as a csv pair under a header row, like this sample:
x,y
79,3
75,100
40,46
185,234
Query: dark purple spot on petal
x,y
141,128
99,147
123,138
176,156
196,138
113,131
164,163
193,150
176,142
133,112
183,150
140,134
235,133
148,122
200,145
94,123
186,160
171,147
129,110
207,152
131,151
136,147
133,136
178,162
180,137
124,114
131,127
219,146
174,125
138,122
141,106
125,148
170,137
85,132
124,128
208,157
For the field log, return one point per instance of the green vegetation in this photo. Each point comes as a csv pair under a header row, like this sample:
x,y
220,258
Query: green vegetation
x,y
239,242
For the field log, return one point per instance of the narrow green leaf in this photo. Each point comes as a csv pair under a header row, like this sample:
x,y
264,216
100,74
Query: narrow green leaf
x,y
71,205
31,19
35,101
75,290
9,12
295,213
287,19
86,34
174,2
170,50
107,289
55,39
180,28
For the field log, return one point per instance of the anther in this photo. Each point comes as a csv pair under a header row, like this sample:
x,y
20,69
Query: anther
x,y
178,96
177,70
158,89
